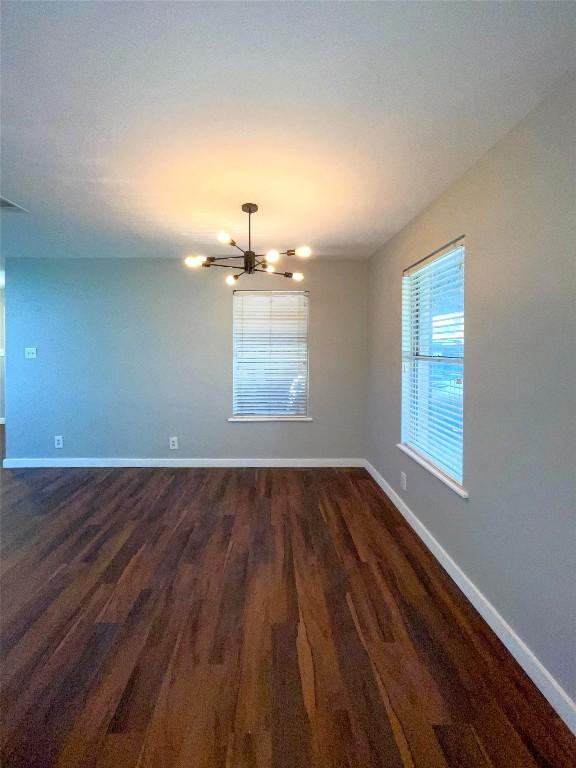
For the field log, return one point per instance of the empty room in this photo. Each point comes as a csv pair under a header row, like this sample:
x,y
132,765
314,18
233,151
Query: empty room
x,y
288,384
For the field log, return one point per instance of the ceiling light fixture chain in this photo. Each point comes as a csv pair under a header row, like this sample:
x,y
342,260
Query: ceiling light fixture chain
x,y
252,261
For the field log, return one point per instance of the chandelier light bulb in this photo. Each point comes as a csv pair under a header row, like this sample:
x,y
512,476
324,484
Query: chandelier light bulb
x,y
272,256
194,261
270,268
298,276
231,279
304,251
224,237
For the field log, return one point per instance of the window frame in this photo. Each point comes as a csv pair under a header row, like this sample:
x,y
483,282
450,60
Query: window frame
x,y
423,459
275,417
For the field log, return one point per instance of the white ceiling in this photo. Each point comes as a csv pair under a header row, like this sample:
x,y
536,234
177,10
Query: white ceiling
x,y
139,128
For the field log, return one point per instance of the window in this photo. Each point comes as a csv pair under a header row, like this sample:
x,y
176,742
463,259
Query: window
x,y
271,354
433,360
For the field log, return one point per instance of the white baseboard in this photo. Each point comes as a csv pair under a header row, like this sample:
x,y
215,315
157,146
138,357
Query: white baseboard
x,y
189,462
540,676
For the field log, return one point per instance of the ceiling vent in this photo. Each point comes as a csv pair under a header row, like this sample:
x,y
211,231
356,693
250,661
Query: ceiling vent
x,y
8,205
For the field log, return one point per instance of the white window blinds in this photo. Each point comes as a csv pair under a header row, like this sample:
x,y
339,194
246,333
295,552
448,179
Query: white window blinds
x,y
433,360
270,353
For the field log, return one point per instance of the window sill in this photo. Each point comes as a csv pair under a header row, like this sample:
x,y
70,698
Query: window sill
x,y
270,418
452,484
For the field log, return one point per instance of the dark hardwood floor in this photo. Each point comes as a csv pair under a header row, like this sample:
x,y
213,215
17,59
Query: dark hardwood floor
x,y
274,617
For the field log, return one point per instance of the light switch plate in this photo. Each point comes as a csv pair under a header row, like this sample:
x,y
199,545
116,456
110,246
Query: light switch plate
x,y
173,442
58,441
30,353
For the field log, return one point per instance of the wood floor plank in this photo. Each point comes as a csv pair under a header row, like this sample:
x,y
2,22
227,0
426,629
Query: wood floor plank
x,y
245,618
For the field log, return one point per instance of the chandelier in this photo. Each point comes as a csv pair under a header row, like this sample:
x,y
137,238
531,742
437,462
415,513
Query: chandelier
x,y
250,261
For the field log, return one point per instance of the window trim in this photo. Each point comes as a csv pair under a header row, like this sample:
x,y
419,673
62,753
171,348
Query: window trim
x,y
270,418
454,485
275,417
425,461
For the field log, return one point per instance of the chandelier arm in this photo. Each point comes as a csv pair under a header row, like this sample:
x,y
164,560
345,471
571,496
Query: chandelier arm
x,y
265,271
227,266
225,258
235,245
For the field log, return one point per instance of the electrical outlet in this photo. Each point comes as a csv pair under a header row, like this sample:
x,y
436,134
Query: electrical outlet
x,y
174,443
58,441
403,480
30,353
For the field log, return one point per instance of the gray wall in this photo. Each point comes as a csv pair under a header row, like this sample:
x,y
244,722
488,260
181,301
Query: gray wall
x,y
516,535
132,351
